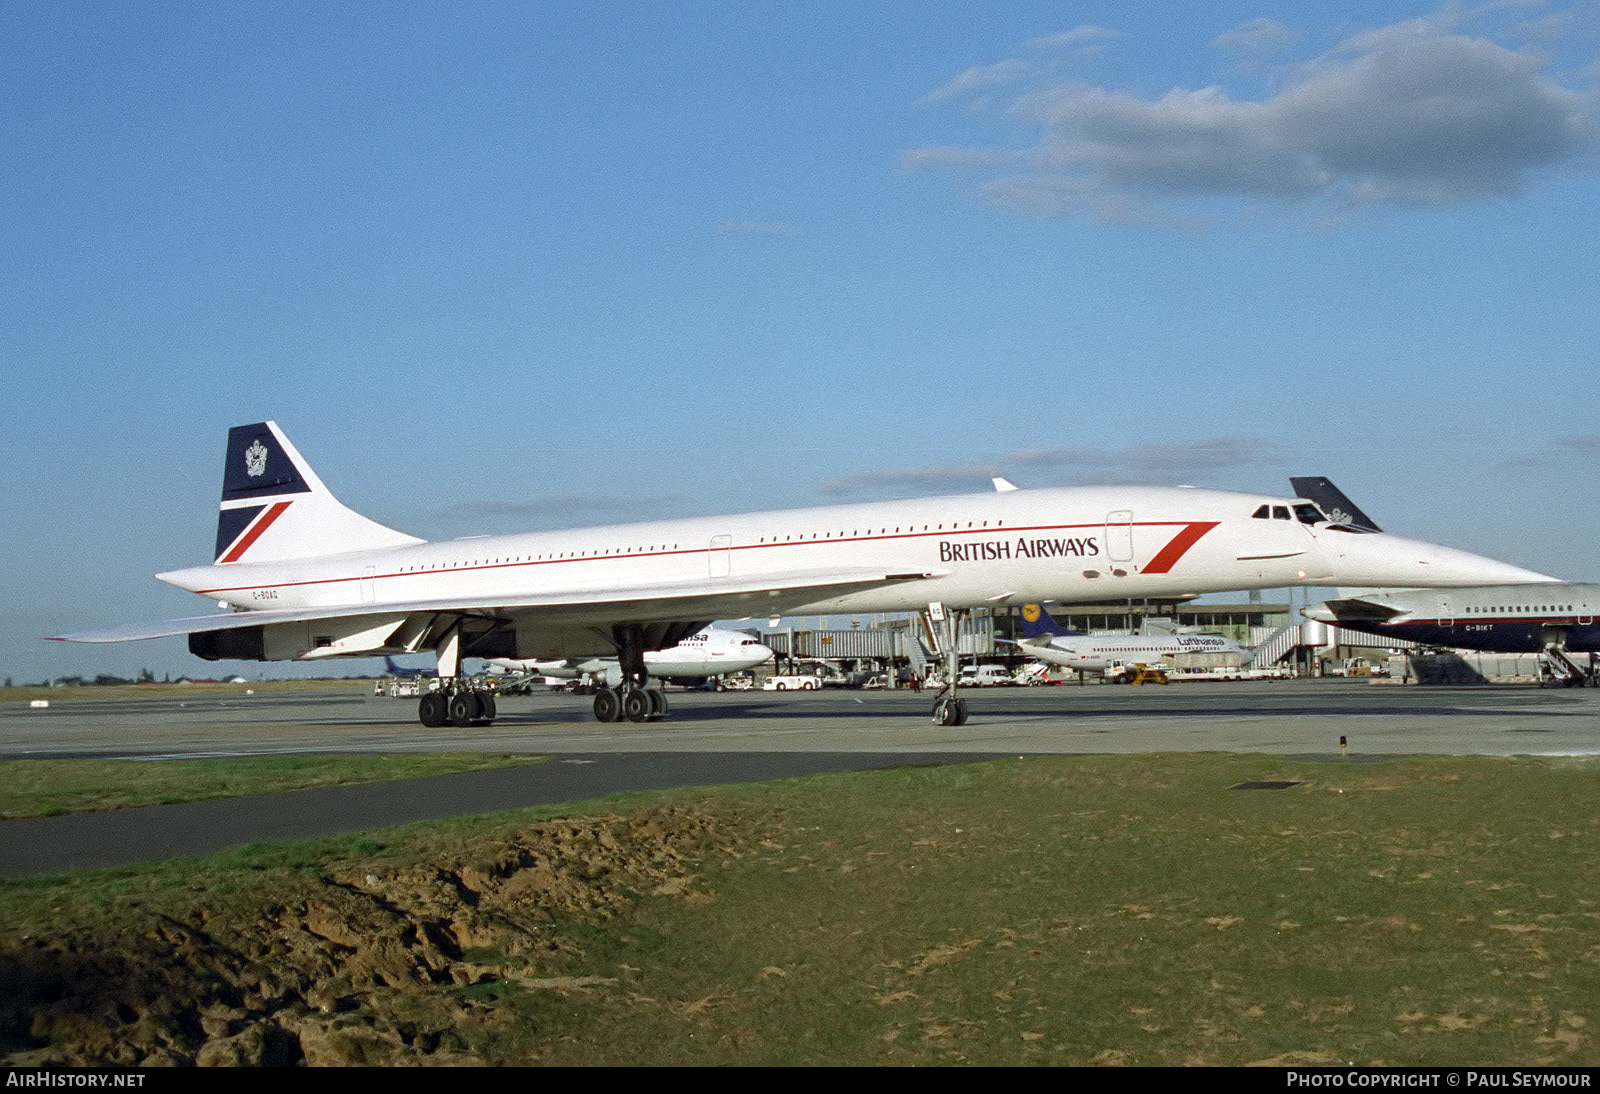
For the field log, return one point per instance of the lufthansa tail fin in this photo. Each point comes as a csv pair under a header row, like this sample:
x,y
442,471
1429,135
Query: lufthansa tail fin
x,y
275,508
1037,623
1331,500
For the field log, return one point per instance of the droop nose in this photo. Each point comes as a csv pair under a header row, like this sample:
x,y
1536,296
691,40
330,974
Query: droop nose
x,y
1382,559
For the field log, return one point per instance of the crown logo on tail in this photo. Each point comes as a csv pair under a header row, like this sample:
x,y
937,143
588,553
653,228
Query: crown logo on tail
x,y
255,460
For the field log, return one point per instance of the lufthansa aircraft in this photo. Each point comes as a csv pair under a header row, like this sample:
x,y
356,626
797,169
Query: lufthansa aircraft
x,y
711,651
1556,619
1050,642
306,578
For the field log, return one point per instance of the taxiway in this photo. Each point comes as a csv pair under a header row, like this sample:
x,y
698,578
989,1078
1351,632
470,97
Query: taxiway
x,y
716,739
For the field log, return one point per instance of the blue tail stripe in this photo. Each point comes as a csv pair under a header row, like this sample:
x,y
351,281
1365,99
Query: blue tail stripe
x,y
231,524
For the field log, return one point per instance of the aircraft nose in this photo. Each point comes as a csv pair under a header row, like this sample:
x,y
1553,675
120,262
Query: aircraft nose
x,y
1382,559
1465,568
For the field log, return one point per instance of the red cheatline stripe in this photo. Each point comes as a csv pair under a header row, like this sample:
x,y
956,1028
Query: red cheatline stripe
x,y
1169,555
253,533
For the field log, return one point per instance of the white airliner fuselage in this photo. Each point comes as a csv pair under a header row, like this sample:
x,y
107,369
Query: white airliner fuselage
x,y
306,577
1072,545
1105,653
711,651
1515,618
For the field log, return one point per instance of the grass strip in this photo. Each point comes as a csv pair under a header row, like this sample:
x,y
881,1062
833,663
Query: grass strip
x,y
1059,910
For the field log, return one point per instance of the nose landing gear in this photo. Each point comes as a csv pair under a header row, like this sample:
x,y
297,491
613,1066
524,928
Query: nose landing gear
x,y
948,710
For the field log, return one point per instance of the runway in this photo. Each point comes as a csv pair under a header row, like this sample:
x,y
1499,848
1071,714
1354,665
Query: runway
x,y
1256,716
716,739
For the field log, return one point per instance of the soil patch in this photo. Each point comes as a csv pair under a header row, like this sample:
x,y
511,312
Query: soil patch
x,y
350,967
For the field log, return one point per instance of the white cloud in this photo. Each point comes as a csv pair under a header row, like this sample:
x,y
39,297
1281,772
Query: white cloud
x,y
979,78
1078,40
551,511
1175,461
912,480
1178,461
1257,36
1410,114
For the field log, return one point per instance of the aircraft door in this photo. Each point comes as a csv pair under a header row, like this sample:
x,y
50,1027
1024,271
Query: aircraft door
x,y
1119,536
719,559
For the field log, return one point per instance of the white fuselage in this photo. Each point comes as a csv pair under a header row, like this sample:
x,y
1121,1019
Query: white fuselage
x,y
1071,544
1098,654
712,651
1509,618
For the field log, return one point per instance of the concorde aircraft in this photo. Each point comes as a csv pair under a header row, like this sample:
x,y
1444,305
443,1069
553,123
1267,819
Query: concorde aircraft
x,y
1554,619
710,651
1048,641
304,577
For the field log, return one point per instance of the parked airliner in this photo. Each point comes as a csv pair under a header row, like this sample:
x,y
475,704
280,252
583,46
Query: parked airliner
x,y
1050,642
304,577
392,669
710,651
1557,619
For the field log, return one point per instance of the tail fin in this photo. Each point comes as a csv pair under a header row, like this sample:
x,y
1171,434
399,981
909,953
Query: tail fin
x,y
1331,500
275,508
1037,623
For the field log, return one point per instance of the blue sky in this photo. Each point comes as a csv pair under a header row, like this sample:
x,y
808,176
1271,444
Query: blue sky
x,y
498,267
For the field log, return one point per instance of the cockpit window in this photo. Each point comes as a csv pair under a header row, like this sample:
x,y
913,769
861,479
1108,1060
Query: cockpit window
x,y
1307,513
1280,512
1262,513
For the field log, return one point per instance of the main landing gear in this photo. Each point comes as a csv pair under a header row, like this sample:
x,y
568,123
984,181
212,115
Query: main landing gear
x,y
456,702
633,701
457,705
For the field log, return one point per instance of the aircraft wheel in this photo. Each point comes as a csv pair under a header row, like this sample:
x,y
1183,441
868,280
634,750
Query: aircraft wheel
x,y
636,704
432,710
486,709
658,705
463,708
944,712
607,705
961,712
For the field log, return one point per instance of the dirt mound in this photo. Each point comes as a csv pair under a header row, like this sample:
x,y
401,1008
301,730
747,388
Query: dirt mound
x,y
351,968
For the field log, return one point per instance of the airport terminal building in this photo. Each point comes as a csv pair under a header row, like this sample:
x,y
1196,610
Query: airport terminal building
x,y
1273,630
